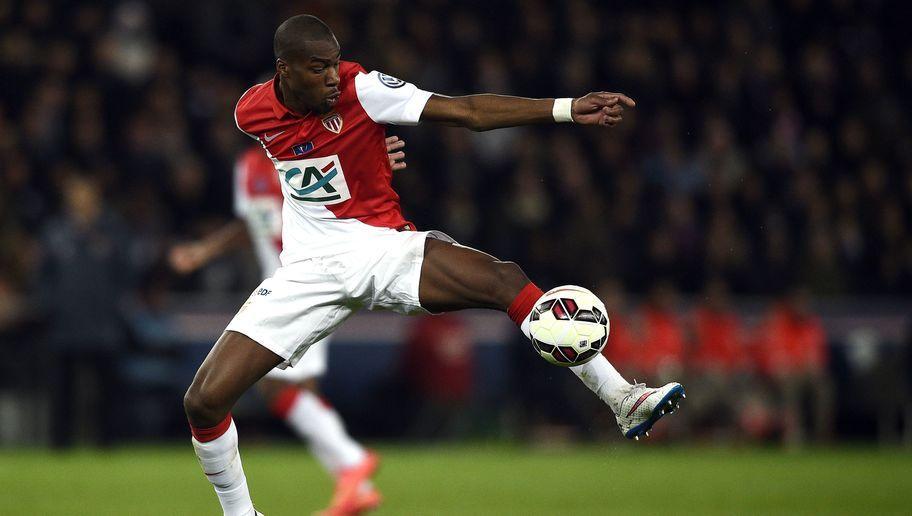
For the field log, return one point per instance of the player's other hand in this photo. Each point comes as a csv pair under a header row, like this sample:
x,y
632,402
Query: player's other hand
x,y
186,258
601,108
396,156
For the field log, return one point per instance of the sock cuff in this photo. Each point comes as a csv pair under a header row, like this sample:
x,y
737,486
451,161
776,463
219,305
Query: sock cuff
x,y
522,306
205,435
324,402
316,400
283,402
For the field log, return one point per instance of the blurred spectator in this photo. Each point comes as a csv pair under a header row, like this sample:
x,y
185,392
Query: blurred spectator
x,y
12,305
877,382
662,337
719,334
438,366
793,353
84,277
718,365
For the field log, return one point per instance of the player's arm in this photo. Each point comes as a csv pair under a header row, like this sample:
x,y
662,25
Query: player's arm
x,y
188,257
487,111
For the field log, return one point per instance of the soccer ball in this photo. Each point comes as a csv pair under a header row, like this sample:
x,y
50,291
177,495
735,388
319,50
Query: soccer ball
x,y
569,326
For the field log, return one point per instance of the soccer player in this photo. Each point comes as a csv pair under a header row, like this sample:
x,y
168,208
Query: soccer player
x,y
291,392
346,244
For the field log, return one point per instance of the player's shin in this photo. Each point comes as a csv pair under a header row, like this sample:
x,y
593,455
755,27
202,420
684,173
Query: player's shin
x,y
604,380
598,374
217,451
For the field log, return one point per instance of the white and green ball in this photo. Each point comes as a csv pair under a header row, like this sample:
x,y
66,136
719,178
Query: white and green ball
x,y
569,326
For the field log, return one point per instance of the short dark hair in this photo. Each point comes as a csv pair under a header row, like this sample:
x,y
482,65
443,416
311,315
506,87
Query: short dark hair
x,y
294,33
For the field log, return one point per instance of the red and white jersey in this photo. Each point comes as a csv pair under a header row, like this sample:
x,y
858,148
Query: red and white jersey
x,y
258,201
333,168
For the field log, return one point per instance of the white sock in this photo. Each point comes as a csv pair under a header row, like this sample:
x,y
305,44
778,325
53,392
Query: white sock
x,y
599,376
221,463
603,379
322,427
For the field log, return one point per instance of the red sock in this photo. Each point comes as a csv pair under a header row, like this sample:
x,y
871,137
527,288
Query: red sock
x,y
524,302
204,435
283,402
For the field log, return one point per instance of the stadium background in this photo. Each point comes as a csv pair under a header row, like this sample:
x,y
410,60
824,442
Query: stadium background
x,y
749,225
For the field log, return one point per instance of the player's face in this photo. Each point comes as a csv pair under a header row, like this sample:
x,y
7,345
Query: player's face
x,y
314,76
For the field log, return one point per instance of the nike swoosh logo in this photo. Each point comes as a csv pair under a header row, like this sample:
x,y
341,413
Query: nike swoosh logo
x,y
273,137
640,401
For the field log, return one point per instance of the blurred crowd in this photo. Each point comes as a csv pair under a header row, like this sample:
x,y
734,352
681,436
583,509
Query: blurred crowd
x,y
768,145
769,148
762,380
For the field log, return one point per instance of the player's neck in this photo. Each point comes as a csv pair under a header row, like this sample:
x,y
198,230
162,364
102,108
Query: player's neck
x,y
289,100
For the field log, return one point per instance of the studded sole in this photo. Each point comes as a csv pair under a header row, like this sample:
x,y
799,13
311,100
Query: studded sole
x,y
667,405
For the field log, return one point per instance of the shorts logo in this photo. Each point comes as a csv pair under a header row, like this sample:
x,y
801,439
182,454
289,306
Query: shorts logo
x,y
333,123
263,292
389,81
316,181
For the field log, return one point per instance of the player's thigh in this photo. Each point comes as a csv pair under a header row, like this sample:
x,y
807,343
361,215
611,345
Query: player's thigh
x,y
455,277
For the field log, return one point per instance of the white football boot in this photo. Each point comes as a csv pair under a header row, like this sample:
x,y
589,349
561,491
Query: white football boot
x,y
643,406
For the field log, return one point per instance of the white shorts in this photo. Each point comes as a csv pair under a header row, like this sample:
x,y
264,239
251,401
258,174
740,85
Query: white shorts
x,y
303,302
311,365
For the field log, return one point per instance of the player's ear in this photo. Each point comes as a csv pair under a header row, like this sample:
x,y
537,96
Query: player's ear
x,y
282,67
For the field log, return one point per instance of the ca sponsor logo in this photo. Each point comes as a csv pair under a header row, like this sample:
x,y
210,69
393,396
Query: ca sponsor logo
x,y
316,181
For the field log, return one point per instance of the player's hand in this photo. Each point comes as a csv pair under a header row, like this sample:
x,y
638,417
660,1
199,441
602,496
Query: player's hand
x,y
396,156
186,258
601,108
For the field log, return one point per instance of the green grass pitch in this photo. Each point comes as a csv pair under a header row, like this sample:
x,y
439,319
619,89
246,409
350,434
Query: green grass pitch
x,y
473,480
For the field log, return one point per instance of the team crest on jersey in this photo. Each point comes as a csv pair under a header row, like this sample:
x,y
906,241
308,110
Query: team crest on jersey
x,y
315,181
333,122
389,81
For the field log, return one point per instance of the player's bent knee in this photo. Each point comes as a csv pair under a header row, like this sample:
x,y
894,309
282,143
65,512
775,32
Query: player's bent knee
x,y
203,410
510,280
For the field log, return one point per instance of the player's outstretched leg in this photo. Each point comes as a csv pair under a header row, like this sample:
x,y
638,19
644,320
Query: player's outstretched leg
x,y
455,277
235,363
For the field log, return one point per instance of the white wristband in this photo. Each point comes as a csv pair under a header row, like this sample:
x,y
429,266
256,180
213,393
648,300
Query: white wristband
x,y
562,110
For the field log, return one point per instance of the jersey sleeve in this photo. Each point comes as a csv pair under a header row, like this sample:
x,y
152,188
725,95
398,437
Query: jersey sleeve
x,y
242,116
388,100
